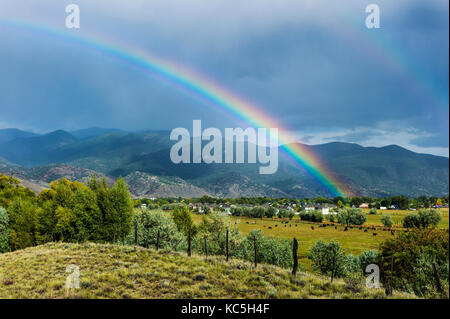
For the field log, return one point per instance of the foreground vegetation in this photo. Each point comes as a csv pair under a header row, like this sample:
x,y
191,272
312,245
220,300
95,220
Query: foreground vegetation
x,y
114,271
72,212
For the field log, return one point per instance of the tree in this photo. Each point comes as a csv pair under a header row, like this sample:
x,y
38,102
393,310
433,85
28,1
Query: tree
x,y
340,204
439,202
366,258
328,259
425,218
183,219
22,220
420,261
11,189
386,220
149,223
351,216
4,231
270,212
122,205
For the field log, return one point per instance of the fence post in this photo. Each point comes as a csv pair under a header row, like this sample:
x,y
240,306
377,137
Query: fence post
x,y
157,240
226,245
295,256
135,233
256,251
189,243
389,289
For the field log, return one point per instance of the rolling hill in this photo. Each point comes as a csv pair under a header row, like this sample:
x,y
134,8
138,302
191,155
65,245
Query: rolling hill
x,y
143,158
113,271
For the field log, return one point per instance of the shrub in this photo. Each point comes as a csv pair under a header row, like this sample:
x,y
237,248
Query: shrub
x,y
148,223
258,212
328,259
351,216
425,218
416,256
4,231
312,216
366,258
270,250
271,212
373,211
386,220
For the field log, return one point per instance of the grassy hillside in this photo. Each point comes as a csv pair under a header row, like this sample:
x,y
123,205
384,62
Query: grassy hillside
x,y
109,271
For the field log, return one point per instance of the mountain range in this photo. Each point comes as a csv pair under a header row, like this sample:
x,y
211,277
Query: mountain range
x,y
142,158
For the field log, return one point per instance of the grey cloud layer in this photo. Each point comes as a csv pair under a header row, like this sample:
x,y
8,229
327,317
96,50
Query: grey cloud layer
x,y
302,61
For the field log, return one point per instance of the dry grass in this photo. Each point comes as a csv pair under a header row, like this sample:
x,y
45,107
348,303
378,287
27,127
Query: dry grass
x,y
110,271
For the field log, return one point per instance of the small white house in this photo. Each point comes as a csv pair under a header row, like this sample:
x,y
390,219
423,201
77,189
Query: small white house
x,y
383,207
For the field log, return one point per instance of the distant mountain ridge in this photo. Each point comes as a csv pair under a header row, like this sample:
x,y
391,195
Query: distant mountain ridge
x,y
143,159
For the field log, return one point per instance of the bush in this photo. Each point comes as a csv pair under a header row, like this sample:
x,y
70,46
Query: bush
x,y
351,216
148,223
425,218
258,212
270,250
416,254
373,211
4,231
312,216
386,220
328,259
271,212
366,258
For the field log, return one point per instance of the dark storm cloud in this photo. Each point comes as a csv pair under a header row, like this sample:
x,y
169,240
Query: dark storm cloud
x,y
311,64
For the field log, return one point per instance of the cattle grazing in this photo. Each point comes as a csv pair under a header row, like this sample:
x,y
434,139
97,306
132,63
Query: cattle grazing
x,y
312,227
374,234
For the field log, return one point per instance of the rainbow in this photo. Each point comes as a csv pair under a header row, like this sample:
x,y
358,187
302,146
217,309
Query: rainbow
x,y
210,92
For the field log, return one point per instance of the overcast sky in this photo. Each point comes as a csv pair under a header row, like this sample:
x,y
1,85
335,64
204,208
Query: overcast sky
x,y
311,64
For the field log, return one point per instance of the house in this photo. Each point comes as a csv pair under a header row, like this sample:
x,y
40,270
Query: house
x,y
364,205
383,207
144,206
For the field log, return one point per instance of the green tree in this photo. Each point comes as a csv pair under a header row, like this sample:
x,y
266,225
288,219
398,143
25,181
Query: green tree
x,y
183,219
386,220
420,262
425,218
328,259
149,223
122,207
351,216
4,231
22,220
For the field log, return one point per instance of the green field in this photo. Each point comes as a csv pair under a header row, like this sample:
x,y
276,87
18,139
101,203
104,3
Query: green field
x,y
353,240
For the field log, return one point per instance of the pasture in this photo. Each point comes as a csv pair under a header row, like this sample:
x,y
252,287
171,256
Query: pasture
x,y
353,240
